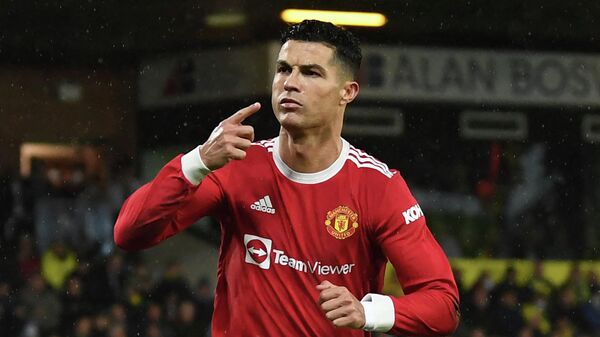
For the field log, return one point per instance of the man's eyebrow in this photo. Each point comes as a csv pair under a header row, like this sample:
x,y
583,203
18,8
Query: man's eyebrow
x,y
302,66
283,63
312,66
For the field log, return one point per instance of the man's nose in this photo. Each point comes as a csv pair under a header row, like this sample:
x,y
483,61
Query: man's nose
x,y
291,83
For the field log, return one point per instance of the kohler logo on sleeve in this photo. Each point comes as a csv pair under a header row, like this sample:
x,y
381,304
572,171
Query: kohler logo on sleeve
x,y
412,214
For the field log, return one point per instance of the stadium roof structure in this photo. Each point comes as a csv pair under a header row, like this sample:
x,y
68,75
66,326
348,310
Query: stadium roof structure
x,y
109,31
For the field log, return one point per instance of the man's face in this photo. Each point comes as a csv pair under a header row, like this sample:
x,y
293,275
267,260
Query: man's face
x,y
307,87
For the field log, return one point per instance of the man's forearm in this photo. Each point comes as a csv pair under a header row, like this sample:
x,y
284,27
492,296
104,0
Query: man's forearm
x,y
427,312
149,215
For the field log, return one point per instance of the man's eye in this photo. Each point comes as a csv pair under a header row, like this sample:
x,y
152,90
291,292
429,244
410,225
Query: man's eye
x,y
283,69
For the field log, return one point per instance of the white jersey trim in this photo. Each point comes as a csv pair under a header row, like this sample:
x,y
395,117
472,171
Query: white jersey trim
x,y
267,144
310,178
362,159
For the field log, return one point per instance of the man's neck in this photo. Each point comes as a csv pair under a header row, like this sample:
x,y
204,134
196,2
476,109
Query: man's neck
x,y
309,153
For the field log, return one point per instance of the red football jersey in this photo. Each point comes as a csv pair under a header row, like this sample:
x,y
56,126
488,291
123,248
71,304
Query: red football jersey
x,y
284,232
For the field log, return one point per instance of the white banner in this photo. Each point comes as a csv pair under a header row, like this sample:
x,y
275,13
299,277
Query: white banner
x,y
397,74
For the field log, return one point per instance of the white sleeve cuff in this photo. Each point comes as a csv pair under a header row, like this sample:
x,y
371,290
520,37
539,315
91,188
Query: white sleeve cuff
x,y
379,312
192,166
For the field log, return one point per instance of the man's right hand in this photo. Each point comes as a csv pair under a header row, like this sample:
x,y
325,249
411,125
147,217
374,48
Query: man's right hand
x,y
229,140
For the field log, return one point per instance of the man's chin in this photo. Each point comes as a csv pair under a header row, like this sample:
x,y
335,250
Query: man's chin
x,y
290,125
290,121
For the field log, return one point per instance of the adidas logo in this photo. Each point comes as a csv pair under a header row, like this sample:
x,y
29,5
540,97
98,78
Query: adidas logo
x,y
263,205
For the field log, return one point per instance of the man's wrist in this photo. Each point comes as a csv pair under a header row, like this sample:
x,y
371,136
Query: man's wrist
x,y
379,312
193,167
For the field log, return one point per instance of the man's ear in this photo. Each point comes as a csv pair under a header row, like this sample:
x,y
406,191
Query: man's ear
x,y
349,92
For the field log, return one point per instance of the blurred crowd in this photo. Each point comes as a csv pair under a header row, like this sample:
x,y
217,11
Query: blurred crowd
x,y
64,293
537,308
61,275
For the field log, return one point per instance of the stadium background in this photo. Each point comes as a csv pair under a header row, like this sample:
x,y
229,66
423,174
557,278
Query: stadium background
x,y
489,109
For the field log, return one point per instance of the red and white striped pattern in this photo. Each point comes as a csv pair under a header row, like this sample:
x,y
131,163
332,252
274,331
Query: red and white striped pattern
x,y
267,144
362,159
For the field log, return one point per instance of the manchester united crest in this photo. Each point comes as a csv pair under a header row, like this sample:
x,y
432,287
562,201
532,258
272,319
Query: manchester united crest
x,y
342,222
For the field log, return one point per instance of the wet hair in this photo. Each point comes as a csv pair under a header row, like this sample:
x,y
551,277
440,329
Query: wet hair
x,y
345,45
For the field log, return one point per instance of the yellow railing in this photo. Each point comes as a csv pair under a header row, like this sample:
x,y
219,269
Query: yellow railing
x,y
556,271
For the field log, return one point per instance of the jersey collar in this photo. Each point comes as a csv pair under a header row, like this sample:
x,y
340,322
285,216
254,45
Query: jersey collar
x,y
310,178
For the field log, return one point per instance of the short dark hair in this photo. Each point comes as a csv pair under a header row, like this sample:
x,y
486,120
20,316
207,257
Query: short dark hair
x,y
346,46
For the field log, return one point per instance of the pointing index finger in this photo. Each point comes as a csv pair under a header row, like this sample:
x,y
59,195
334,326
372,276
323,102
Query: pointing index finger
x,y
242,114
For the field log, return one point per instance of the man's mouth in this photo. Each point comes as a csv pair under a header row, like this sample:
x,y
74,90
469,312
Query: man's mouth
x,y
289,103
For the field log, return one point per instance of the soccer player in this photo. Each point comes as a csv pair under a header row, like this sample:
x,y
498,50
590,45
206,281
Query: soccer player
x,y
308,221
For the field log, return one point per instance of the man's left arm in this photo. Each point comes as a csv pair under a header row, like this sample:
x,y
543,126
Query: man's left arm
x,y
430,304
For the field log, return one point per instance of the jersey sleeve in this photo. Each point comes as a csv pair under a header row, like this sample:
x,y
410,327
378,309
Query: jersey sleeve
x,y
430,304
165,206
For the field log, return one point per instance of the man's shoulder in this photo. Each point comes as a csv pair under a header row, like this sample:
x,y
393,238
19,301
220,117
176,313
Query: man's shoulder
x,y
257,154
368,165
256,163
259,151
264,146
